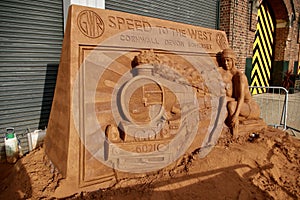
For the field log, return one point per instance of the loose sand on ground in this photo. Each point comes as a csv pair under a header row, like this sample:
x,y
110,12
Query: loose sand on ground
x,y
266,167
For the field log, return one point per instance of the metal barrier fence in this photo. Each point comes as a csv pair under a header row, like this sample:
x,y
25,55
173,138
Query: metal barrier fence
x,y
273,104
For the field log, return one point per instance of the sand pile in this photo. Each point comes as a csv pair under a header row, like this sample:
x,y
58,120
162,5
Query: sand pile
x,y
265,167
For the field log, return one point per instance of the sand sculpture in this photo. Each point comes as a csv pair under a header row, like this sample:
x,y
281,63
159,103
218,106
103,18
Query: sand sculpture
x,y
134,95
240,105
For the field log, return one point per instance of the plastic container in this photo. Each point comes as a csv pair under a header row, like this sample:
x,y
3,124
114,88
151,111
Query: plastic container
x,y
11,146
35,138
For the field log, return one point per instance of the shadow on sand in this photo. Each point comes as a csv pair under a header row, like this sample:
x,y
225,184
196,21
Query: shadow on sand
x,y
223,183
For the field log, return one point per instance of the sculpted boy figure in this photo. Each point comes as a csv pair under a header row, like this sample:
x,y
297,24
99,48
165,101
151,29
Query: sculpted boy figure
x,y
240,104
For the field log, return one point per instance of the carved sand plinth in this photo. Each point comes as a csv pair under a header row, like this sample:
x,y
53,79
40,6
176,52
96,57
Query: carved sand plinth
x,y
134,94
248,127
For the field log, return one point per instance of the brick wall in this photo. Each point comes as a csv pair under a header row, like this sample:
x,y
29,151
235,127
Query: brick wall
x,y
225,17
235,20
286,40
280,44
238,20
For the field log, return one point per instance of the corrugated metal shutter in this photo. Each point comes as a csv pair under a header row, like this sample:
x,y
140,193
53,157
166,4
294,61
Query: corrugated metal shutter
x,y
203,13
31,34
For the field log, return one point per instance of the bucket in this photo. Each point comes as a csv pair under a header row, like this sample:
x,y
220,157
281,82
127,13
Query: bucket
x,y
35,138
11,146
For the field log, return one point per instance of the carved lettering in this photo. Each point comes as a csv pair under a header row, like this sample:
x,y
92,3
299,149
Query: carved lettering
x,y
178,43
200,35
206,46
179,32
120,22
198,45
112,22
138,24
139,39
130,24
146,148
162,29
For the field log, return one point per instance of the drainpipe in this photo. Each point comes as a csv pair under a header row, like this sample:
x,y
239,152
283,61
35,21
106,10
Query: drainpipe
x,y
298,70
233,22
292,16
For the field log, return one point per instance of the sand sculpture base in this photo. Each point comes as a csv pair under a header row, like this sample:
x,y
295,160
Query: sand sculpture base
x,y
248,127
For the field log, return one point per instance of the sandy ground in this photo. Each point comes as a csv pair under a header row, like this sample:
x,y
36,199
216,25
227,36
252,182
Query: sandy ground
x,y
267,167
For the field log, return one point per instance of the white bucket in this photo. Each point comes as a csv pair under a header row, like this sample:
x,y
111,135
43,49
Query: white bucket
x,y
11,149
35,138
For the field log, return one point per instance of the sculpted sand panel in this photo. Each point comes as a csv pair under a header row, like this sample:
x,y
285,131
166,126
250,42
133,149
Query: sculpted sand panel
x,y
134,94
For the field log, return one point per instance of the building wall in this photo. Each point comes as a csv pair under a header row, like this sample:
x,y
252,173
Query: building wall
x,y
238,19
292,44
286,56
235,20
287,18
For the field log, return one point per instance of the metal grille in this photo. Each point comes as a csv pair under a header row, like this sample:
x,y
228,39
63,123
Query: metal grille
x,y
31,34
273,105
278,107
195,12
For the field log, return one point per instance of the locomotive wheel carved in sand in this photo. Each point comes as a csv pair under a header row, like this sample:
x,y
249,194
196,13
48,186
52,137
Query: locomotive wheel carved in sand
x,y
157,110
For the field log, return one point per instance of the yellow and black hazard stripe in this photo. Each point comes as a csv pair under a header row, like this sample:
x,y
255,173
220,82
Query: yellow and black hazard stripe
x,y
262,50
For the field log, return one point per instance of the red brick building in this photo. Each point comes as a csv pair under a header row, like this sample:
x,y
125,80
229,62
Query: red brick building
x,y
240,19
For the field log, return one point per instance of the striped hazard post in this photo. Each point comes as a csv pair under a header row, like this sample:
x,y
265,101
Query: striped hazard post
x,y
262,50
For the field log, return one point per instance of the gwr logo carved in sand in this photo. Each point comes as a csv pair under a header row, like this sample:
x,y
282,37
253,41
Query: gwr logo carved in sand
x,y
90,24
